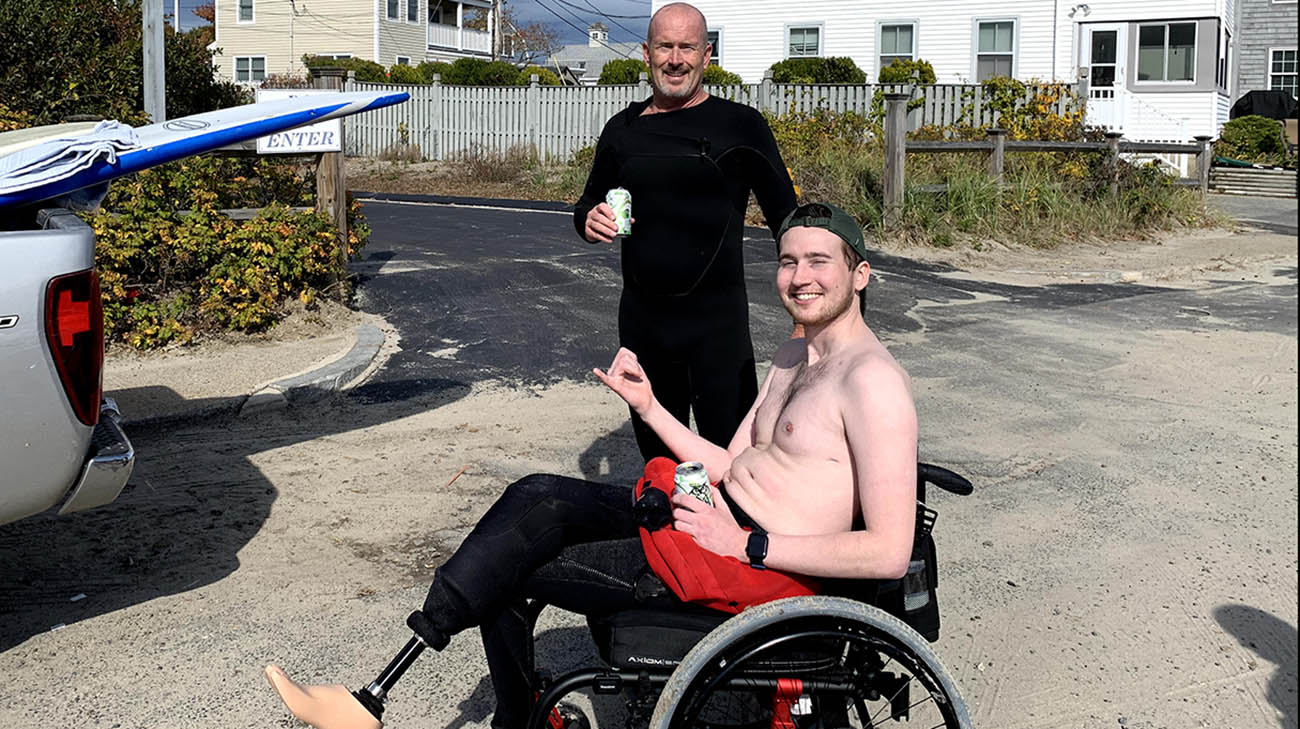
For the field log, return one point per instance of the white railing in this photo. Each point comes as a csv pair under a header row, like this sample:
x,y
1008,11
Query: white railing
x,y
459,39
443,121
1121,110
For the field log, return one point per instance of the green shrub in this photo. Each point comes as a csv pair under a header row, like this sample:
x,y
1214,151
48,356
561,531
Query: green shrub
x,y
499,73
545,76
835,70
167,275
1255,139
367,71
718,76
903,71
427,70
622,71
400,74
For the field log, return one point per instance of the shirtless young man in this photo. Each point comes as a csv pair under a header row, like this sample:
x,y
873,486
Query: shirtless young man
x,y
831,437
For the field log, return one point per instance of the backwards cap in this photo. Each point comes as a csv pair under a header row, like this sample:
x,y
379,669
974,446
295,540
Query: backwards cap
x,y
826,217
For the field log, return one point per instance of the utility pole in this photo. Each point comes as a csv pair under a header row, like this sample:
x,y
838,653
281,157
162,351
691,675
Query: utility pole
x,y
155,86
497,43
176,15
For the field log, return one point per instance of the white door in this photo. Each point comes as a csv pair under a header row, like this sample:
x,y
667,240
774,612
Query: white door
x,y
1104,53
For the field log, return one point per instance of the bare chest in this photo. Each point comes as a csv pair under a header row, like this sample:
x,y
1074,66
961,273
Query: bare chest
x,y
800,414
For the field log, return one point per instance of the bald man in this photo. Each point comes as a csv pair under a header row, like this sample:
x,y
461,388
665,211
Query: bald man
x,y
690,161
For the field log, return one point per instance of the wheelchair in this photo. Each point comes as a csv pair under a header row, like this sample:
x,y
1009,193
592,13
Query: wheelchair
x,y
855,656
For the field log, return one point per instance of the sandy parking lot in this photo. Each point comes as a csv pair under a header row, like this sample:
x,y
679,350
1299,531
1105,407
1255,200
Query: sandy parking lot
x,y
1128,557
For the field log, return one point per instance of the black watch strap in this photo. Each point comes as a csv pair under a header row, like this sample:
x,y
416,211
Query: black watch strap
x,y
756,549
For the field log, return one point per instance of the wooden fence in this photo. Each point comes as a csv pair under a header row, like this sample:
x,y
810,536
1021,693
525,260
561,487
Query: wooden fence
x,y
442,121
897,148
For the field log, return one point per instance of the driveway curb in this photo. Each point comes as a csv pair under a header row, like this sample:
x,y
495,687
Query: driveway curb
x,y
321,382
312,386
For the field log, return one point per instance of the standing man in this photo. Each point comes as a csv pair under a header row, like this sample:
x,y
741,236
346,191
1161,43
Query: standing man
x,y
690,161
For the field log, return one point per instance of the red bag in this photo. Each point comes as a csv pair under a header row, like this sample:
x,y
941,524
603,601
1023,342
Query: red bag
x,y
697,575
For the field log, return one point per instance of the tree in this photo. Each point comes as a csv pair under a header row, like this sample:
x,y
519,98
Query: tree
x,y
523,43
207,12
55,64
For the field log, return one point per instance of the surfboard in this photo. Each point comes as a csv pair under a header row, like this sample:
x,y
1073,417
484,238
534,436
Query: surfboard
x,y
185,136
23,138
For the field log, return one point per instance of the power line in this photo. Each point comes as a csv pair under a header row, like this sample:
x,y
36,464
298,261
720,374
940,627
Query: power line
x,y
567,22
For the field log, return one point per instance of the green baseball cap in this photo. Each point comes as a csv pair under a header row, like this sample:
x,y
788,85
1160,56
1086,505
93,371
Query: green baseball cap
x,y
827,217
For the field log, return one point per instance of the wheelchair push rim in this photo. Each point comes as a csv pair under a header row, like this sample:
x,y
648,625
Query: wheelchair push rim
x,y
869,642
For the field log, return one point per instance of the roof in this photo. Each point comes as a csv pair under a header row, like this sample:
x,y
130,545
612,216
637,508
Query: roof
x,y
596,55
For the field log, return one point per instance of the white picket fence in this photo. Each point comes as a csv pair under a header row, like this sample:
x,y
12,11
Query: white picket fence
x,y
443,121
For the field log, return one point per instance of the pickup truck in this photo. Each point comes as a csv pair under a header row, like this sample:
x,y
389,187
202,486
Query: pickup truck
x,y
60,443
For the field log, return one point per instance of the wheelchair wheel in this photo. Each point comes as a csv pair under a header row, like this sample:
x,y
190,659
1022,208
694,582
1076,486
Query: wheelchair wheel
x,y
848,665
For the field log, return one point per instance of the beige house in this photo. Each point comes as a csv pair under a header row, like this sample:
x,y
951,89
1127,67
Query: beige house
x,y
257,38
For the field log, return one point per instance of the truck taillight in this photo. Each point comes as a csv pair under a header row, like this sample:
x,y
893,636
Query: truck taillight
x,y
74,327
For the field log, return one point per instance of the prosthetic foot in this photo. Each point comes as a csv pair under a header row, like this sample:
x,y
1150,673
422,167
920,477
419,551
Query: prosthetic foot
x,y
324,707
333,706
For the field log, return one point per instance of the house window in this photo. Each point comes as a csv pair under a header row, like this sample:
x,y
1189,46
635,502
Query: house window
x,y
897,42
245,11
996,49
250,69
403,60
1167,52
413,11
1282,70
394,10
715,40
1103,54
803,41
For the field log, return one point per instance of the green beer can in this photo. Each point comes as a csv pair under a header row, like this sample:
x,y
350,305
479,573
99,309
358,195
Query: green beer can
x,y
691,479
621,201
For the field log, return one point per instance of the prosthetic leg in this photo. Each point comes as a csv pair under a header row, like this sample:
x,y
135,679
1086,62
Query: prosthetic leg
x,y
333,706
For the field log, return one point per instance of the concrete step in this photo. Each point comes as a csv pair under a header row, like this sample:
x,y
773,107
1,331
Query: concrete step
x,y
1254,193
1274,178
1280,185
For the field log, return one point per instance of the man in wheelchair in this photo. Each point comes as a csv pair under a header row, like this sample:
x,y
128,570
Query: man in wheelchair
x,y
819,481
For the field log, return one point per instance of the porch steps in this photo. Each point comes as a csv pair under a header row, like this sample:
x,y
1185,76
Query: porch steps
x,y
1253,182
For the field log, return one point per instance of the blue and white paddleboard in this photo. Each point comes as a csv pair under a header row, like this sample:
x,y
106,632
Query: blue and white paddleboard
x,y
156,144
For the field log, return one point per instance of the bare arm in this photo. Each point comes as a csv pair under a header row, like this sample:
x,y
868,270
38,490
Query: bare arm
x,y
629,381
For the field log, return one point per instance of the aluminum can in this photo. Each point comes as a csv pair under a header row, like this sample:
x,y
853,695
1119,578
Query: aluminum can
x,y
621,201
693,480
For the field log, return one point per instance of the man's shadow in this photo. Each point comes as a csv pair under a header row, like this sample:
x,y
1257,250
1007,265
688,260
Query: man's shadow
x,y
182,520
613,458
557,652
1272,639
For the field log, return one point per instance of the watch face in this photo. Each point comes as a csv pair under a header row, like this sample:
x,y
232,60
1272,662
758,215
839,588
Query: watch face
x,y
756,548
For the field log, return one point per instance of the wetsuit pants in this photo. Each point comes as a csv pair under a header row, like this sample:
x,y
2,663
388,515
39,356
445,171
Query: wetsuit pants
x,y
697,353
567,542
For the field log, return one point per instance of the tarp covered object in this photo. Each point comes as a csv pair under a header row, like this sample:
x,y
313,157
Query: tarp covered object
x,y
1272,104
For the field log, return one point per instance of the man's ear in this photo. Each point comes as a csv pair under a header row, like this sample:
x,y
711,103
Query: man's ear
x,y
645,53
861,276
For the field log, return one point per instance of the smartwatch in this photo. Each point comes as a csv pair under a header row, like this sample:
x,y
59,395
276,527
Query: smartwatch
x,y
756,550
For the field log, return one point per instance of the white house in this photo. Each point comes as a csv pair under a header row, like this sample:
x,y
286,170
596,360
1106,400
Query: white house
x,y
587,60
262,37
1156,70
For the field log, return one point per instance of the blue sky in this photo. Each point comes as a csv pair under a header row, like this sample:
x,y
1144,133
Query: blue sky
x,y
577,12
581,14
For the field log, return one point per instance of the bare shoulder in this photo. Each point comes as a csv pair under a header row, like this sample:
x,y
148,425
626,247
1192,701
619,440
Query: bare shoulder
x,y
791,354
874,376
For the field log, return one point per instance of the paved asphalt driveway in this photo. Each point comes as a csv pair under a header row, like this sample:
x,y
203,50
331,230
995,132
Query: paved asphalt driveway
x,y
509,294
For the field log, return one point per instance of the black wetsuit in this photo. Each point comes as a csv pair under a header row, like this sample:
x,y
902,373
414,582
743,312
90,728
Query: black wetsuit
x,y
684,311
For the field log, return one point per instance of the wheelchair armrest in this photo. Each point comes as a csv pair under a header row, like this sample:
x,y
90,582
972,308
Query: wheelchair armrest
x,y
943,478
